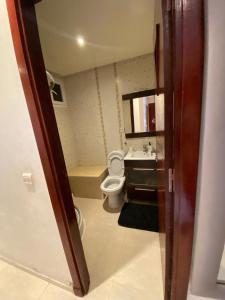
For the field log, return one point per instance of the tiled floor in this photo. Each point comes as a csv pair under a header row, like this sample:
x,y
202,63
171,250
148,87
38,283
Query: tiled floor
x,y
124,264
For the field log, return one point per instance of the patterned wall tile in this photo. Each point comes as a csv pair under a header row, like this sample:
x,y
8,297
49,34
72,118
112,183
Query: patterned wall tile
x,y
66,136
109,107
95,101
81,91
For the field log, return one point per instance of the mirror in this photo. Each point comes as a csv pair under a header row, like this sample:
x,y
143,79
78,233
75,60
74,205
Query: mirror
x,y
143,114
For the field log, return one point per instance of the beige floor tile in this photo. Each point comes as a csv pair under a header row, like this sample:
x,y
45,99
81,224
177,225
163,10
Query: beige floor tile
x,y
120,292
100,292
143,271
16,284
56,293
3,265
141,238
123,263
131,276
128,258
102,253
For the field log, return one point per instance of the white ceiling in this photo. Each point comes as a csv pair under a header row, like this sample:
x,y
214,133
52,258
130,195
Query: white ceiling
x,y
114,30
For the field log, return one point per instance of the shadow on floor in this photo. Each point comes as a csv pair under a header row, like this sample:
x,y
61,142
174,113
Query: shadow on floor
x,y
112,251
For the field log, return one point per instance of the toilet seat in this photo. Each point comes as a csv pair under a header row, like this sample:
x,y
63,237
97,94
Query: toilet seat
x,y
112,184
116,163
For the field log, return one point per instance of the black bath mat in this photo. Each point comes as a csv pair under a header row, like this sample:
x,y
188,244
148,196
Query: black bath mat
x,y
139,216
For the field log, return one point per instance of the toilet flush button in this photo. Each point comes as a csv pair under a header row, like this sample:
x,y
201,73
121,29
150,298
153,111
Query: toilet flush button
x,y
27,178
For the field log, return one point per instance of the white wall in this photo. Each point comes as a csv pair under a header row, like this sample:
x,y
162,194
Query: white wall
x,y
210,221
127,116
28,231
67,136
82,96
64,123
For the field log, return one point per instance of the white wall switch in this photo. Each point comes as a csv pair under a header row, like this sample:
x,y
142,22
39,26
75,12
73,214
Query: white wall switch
x,y
27,178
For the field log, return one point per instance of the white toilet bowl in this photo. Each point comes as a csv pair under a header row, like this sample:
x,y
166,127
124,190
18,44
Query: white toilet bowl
x,y
112,186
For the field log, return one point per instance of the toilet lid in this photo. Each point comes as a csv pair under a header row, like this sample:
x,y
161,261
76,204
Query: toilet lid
x,y
116,164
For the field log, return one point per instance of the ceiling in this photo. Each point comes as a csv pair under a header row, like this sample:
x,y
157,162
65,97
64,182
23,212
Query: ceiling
x,y
114,30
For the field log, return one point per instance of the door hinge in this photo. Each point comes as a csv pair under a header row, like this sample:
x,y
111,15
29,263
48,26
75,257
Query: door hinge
x,y
171,180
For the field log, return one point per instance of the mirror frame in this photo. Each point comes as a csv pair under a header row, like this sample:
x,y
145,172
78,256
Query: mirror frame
x,y
141,94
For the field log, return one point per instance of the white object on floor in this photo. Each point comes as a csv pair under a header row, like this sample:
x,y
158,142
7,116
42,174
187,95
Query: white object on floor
x,y
112,186
80,219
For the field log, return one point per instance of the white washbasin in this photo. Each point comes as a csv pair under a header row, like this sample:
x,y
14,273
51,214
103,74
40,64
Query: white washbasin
x,y
140,155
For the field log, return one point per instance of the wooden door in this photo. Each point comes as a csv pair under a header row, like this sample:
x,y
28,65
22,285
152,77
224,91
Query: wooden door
x,y
183,28
33,76
169,146
164,143
183,73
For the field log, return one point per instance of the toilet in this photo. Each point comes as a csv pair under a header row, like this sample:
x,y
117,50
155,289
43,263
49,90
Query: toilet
x,y
113,184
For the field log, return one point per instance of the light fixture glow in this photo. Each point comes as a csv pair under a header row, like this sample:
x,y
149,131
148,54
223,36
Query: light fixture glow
x,y
80,41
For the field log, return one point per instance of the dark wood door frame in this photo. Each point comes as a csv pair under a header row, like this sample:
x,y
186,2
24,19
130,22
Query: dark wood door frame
x,y
141,94
33,76
186,21
169,146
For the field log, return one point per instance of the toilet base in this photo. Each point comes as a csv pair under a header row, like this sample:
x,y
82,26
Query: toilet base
x,y
115,201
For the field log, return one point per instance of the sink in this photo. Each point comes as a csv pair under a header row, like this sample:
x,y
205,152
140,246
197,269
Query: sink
x,y
140,155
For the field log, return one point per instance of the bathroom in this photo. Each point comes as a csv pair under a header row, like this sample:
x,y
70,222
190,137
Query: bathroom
x,y
109,107
125,233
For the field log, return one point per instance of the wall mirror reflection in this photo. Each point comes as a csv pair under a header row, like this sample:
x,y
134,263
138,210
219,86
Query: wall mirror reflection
x,y
143,114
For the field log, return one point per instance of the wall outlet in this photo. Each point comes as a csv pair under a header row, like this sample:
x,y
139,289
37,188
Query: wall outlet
x,y
27,178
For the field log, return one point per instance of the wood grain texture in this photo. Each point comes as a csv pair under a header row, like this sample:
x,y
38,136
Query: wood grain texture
x,y
144,134
32,72
188,80
166,199
141,94
132,115
157,58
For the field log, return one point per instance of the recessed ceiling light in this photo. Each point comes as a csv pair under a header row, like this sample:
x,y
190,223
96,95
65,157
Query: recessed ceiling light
x,y
80,41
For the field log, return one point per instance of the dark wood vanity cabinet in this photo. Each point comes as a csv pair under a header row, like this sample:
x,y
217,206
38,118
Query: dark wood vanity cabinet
x,y
143,180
